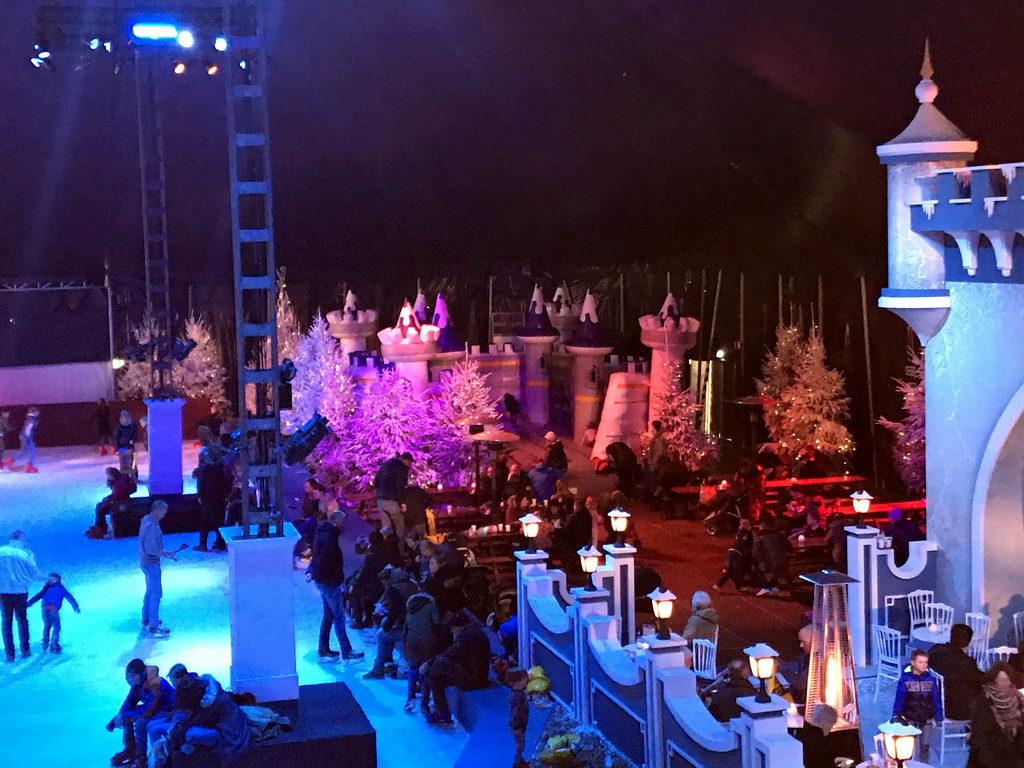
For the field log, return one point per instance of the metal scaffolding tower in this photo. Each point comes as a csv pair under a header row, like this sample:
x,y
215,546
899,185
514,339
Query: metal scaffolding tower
x,y
252,225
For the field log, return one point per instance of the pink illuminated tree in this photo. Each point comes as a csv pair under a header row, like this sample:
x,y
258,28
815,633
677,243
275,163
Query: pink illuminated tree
x,y
908,449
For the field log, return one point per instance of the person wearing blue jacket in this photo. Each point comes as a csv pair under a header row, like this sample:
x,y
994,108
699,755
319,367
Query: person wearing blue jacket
x,y
53,596
919,700
150,697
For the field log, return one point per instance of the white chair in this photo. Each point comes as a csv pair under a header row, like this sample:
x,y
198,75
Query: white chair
x,y
941,615
978,649
879,740
704,658
950,729
916,602
1018,627
1000,653
888,642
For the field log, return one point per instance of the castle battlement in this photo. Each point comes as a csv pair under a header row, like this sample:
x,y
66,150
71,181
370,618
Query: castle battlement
x,y
980,208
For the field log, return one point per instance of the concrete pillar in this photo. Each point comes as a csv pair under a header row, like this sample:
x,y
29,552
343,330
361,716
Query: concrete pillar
x,y
659,655
861,565
164,435
619,562
261,584
764,742
528,565
589,605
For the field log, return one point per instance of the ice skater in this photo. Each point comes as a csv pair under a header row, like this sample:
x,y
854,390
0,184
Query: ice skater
x,y
5,425
151,550
28,442
18,569
53,595
126,434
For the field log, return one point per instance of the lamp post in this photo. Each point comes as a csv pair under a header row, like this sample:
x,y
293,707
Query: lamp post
x,y
589,559
661,601
531,527
861,505
620,522
899,740
762,666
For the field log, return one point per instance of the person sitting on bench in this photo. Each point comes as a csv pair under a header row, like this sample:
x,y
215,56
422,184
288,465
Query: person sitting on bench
x,y
121,488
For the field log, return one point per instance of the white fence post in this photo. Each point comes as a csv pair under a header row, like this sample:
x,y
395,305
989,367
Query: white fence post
x,y
589,604
764,742
529,565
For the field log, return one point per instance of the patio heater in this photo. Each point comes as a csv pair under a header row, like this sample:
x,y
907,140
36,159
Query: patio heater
x,y
830,673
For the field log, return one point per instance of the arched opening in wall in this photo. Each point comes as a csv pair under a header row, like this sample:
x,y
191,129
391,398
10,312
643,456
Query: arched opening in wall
x,y
998,522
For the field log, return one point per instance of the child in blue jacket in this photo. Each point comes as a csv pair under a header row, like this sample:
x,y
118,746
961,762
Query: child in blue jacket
x,y
919,700
53,595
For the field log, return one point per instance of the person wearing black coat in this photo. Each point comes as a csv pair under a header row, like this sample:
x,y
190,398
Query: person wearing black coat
x,y
465,664
723,706
625,466
997,722
771,558
366,587
963,679
554,455
390,483
213,484
327,571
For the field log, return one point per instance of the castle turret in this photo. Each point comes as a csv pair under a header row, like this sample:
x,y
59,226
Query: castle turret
x,y
537,336
449,347
588,346
410,344
930,143
668,336
563,313
419,307
351,325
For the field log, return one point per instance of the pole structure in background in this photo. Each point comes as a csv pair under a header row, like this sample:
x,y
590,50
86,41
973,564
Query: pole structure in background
x,y
867,365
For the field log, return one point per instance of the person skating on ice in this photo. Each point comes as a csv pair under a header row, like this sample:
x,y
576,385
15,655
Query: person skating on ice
x,y
53,595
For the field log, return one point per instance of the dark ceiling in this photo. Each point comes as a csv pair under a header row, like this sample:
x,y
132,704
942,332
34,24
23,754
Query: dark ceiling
x,y
441,136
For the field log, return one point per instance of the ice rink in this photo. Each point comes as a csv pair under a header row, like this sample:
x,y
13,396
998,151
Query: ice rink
x,y
54,707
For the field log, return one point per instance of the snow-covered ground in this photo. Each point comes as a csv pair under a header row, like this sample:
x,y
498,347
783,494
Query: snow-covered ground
x,y
54,707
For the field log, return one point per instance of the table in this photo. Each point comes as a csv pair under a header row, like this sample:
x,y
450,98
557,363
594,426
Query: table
x,y
495,551
907,764
448,519
925,638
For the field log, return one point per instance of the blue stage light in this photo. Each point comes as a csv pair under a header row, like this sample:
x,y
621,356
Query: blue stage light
x,y
94,43
186,39
154,31
221,43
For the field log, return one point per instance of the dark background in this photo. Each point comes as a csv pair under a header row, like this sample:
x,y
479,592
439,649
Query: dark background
x,y
450,140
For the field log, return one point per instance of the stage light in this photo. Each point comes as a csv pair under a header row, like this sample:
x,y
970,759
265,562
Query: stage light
x,y
305,439
155,31
182,349
221,43
108,46
94,43
243,64
211,68
287,370
186,39
179,67
117,363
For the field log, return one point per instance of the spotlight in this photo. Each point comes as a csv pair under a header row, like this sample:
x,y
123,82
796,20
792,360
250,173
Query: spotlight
x,y
94,43
179,67
287,370
221,43
154,31
305,439
108,46
186,39
210,67
243,64
182,349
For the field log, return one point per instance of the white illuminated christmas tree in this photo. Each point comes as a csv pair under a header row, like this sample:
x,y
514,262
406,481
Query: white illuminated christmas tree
x,y
908,450
201,375
679,415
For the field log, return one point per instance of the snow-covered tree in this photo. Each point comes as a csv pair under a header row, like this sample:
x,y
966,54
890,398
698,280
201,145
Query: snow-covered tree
x,y
201,375
464,395
390,419
908,433
317,360
133,380
805,400
289,329
679,415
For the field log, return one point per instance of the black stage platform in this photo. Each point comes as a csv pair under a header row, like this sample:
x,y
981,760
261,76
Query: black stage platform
x,y
330,729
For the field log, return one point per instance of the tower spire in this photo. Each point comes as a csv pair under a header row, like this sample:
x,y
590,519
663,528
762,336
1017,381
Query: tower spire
x,y
926,66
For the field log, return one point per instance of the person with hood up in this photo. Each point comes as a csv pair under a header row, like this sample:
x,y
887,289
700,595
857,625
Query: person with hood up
x,y
423,637
150,697
703,622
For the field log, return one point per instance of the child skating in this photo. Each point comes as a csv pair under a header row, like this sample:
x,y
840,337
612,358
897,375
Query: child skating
x,y
518,711
53,595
